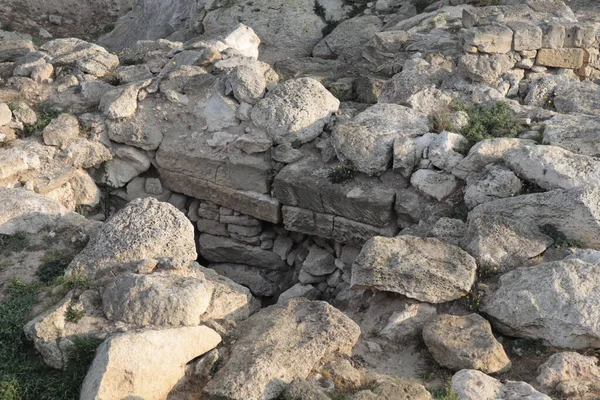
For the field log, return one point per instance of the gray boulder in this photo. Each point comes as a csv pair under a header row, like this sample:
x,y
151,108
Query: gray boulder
x,y
563,369
157,299
271,349
346,41
557,302
500,244
367,140
552,167
153,361
464,343
25,211
144,229
475,385
573,213
424,269
575,132
295,111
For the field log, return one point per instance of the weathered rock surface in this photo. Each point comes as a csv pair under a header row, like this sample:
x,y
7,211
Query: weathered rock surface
x,y
475,385
157,299
425,269
499,243
556,302
145,364
552,167
573,212
464,343
279,344
574,132
367,140
295,111
26,211
144,229
568,367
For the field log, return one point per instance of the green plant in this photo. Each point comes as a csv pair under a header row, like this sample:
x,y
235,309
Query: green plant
x,y
7,26
45,114
72,282
73,315
11,243
342,173
488,122
23,373
108,28
473,299
54,265
444,393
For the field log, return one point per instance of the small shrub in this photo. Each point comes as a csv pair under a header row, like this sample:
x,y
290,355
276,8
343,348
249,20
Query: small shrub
x,y
342,173
442,121
45,114
319,10
72,282
12,243
8,27
487,122
54,265
444,393
10,389
109,28
73,315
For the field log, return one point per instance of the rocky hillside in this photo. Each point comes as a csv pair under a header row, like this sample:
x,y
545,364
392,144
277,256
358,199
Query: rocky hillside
x,y
300,200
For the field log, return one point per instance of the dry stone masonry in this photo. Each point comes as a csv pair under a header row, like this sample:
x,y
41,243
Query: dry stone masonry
x,y
308,199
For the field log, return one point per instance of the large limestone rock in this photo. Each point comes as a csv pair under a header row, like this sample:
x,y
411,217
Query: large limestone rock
x,y
557,302
53,334
552,167
577,97
149,20
475,385
121,102
367,140
157,299
499,243
574,213
287,28
295,111
494,182
144,229
395,388
561,369
145,365
87,57
464,343
486,152
575,132
26,211
279,344
61,130
424,269
485,68
346,41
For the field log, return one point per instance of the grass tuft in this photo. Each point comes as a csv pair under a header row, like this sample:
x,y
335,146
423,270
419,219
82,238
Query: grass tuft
x,y
54,265
342,173
23,373
13,243
45,114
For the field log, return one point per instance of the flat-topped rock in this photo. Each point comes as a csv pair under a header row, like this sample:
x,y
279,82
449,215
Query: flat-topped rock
x,y
424,269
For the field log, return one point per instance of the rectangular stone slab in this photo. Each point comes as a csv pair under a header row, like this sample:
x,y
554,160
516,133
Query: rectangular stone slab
x,y
255,204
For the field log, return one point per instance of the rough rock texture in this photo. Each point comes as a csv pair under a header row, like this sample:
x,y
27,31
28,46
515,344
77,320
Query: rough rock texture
x,y
475,385
574,132
157,299
396,388
424,269
500,243
145,364
279,344
295,111
552,167
557,302
568,367
287,28
26,211
144,229
575,213
464,343
367,140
